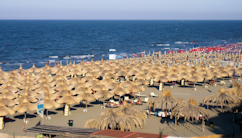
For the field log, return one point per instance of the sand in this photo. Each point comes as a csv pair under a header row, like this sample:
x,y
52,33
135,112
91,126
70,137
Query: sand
x,y
223,122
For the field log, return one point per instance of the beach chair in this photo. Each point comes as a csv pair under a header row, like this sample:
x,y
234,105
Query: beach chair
x,y
230,80
206,87
171,86
145,100
239,79
135,100
111,101
126,98
150,113
222,82
152,94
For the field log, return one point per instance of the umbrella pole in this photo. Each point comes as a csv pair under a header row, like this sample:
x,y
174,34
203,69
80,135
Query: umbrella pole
x,y
175,121
86,105
46,112
203,124
166,109
207,107
171,106
189,124
222,107
25,117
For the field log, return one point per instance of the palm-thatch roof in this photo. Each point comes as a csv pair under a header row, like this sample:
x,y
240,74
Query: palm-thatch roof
x,y
113,120
165,99
189,110
222,97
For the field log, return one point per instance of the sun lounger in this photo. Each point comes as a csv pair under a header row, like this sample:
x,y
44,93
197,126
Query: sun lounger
x,y
222,82
152,94
139,95
112,101
146,99
150,113
126,98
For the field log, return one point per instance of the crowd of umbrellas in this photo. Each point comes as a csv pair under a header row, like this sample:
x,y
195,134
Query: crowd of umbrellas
x,y
71,84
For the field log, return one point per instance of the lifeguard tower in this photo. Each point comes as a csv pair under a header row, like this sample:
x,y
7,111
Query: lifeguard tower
x,y
112,54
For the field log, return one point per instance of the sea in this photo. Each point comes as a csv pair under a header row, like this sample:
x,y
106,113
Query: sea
x,y
24,42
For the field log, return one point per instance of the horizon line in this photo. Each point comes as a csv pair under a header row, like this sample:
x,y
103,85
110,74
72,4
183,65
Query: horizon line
x,y
138,19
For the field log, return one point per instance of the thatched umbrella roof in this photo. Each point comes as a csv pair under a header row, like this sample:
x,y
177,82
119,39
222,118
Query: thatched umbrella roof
x,y
141,82
68,99
4,110
189,110
127,83
29,98
221,98
24,106
20,70
138,113
48,103
34,69
9,95
111,85
120,90
110,119
166,99
135,88
6,101
86,97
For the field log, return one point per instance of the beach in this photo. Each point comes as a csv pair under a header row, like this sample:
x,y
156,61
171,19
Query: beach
x,y
223,122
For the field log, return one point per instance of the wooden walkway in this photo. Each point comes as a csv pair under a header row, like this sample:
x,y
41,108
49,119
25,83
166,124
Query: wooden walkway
x,y
58,130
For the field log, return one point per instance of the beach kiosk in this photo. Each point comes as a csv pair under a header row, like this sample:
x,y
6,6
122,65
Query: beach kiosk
x,y
112,54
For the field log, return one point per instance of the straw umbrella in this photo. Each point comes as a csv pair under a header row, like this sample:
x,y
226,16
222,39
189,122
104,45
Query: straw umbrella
x,y
24,106
138,113
172,77
90,83
161,79
34,69
221,98
86,96
166,99
141,82
20,70
3,112
3,73
110,119
6,101
189,110
135,88
103,94
9,95
49,103
127,83
68,99
119,90
111,85
151,76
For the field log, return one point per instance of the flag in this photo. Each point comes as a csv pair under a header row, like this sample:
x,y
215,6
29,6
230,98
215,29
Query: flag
x,y
40,105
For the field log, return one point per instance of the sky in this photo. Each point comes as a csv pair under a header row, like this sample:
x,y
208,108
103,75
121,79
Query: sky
x,y
121,9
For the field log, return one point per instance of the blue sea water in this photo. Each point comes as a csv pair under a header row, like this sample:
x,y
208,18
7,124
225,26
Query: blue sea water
x,y
34,41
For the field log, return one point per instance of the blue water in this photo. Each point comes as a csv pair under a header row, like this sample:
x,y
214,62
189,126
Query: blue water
x,y
33,41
